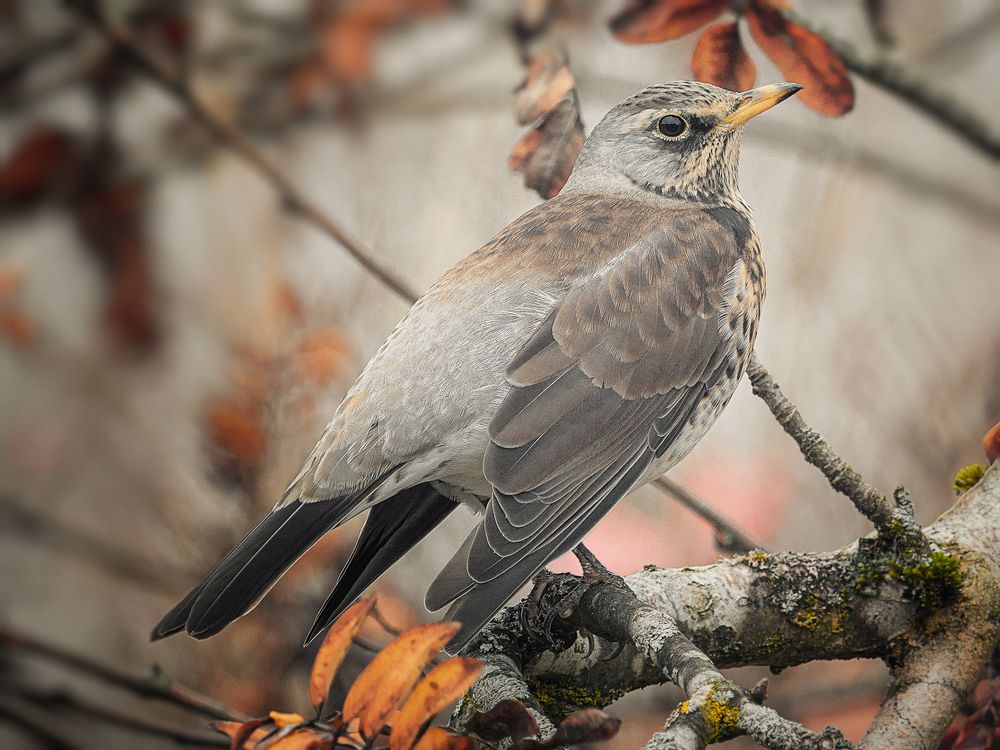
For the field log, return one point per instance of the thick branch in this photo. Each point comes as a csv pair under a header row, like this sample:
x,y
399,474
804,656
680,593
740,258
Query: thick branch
x,y
121,40
891,77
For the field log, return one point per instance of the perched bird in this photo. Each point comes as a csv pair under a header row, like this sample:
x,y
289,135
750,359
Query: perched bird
x,y
580,353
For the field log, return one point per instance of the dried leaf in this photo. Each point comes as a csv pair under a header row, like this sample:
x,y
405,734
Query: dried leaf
x,y
239,733
323,354
720,58
347,50
443,684
645,21
285,720
11,280
439,738
586,725
547,153
238,428
46,159
392,674
508,718
802,57
547,82
334,648
17,328
301,739
991,443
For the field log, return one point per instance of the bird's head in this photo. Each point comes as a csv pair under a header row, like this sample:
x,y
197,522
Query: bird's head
x,y
678,139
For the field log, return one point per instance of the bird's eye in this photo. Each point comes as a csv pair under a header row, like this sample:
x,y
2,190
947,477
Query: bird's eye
x,y
671,126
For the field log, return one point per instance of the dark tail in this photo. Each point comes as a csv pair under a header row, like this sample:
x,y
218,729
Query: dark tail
x,y
393,527
244,575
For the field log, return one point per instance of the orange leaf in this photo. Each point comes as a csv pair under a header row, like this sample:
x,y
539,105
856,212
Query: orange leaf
x,y
439,738
392,674
545,155
802,57
347,50
301,739
720,58
446,682
17,327
658,20
991,443
45,160
240,733
334,648
323,354
285,720
11,280
236,427
548,81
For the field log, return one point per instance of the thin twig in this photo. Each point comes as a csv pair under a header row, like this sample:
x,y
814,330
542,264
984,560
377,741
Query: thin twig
x,y
891,77
890,519
727,536
34,721
120,718
155,686
121,40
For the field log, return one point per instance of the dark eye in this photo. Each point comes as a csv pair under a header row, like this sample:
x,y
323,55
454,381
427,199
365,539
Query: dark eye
x,y
671,126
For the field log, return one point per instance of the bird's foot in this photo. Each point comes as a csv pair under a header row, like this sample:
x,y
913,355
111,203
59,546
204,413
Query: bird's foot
x,y
569,594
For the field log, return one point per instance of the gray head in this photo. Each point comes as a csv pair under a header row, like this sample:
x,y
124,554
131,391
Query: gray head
x,y
678,139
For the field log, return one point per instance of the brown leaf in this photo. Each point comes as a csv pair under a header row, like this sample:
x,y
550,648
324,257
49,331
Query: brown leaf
x,y
45,160
586,725
545,155
17,328
239,733
11,280
443,684
334,648
347,50
802,57
301,739
508,718
991,443
645,21
322,355
547,82
392,674
238,428
439,738
720,58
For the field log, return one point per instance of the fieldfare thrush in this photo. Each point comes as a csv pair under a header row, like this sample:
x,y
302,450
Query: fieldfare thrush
x,y
580,353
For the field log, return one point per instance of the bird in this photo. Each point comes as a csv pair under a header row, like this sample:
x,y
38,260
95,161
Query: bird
x,y
580,353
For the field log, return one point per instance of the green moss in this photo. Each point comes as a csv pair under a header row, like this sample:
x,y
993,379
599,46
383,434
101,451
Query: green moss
x,y
967,477
560,699
931,582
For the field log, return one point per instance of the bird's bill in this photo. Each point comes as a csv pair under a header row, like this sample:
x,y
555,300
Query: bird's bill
x,y
758,100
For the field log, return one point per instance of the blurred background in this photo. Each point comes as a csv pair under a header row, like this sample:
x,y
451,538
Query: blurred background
x,y
173,338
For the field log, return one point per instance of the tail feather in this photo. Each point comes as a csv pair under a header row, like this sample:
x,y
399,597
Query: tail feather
x,y
244,575
392,528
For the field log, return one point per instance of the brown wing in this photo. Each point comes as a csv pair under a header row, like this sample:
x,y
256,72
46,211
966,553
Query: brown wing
x,y
602,388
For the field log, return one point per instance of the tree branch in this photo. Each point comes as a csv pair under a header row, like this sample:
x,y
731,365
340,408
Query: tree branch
x,y
122,42
891,520
891,77
157,686
728,537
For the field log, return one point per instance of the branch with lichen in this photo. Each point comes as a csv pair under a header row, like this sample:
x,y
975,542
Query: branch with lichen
x,y
930,610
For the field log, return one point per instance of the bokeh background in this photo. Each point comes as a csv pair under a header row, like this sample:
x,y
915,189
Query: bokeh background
x,y
173,338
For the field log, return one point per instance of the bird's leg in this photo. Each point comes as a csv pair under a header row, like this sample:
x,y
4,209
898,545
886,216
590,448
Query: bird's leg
x,y
594,570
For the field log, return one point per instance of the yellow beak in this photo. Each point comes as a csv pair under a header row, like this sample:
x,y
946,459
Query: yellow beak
x,y
758,100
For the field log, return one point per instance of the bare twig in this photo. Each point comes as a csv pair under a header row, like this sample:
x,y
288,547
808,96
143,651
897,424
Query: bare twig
x,y
34,721
728,537
888,75
121,40
124,719
156,686
892,520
